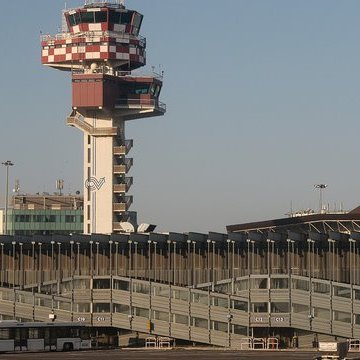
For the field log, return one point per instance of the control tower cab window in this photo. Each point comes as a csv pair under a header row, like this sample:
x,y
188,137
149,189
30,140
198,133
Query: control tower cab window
x,y
137,20
141,90
89,17
122,18
155,90
74,19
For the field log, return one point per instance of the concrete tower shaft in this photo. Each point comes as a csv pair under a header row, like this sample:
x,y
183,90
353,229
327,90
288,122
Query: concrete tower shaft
x,y
101,48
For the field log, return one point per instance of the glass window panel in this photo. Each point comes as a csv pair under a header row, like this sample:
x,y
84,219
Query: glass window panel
x,y
152,89
36,333
300,284
241,330
81,284
141,89
220,326
321,313
342,292
82,307
87,17
279,283
77,18
321,288
342,316
100,16
5,334
63,305
157,91
141,312
240,305
279,307
45,302
126,17
101,307
120,308
137,20
241,285
70,218
259,283
259,307
200,298
121,285
141,288
201,323
217,301
181,295
181,319
222,288
101,283
161,315
114,17
71,19
161,291
301,309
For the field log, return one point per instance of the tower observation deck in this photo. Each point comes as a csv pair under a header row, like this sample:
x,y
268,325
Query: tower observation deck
x,y
101,47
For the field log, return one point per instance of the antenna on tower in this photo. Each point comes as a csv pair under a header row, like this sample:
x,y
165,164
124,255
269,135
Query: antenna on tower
x,y
60,185
120,2
17,187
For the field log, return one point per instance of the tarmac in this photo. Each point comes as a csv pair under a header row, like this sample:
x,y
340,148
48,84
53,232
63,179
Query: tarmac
x,y
168,354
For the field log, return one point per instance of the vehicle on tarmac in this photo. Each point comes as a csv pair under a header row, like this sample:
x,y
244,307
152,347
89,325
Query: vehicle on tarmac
x,y
36,336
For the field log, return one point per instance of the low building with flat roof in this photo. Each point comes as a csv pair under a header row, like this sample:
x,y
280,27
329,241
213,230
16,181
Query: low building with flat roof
x,y
43,214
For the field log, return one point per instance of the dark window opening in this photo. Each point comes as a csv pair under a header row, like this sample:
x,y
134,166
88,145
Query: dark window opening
x,y
114,17
74,19
122,18
70,218
126,17
100,16
135,89
87,17
137,21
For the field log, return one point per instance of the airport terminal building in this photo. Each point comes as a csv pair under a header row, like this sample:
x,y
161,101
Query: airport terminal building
x,y
297,277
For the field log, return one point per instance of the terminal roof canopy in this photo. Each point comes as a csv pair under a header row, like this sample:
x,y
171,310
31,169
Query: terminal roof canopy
x,y
326,223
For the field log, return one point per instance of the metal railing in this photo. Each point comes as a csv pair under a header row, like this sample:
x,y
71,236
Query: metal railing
x,y
78,122
141,103
92,34
123,149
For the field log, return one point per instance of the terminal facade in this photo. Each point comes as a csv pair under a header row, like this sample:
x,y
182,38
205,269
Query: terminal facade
x,y
289,278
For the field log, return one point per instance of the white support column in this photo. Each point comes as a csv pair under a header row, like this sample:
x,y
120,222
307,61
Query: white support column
x,y
99,161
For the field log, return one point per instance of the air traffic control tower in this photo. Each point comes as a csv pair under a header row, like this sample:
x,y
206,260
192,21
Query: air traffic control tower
x,y
100,45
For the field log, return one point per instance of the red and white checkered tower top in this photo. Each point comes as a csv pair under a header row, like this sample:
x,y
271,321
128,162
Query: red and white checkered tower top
x,y
101,33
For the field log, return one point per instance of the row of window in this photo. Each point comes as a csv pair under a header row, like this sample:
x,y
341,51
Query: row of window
x,y
47,218
43,333
113,17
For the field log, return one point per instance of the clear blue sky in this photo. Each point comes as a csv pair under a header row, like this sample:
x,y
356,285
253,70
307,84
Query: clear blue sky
x,y
263,102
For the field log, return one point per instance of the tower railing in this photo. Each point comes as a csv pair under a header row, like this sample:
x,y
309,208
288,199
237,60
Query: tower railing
x,y
92,34
77,121
140,103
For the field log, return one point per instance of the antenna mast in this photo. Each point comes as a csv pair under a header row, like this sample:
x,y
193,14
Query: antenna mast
x,y
120,2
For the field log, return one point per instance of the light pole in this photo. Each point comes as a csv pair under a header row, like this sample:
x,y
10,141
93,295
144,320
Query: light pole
x,y
321,187
7,164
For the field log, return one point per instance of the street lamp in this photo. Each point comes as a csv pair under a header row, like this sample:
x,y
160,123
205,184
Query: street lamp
x,y
7,164
321,187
